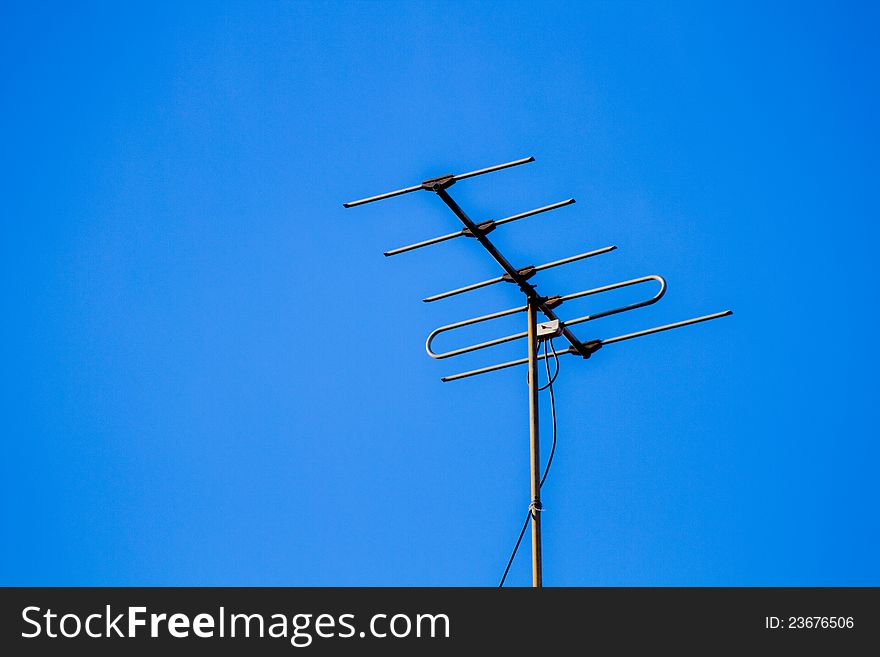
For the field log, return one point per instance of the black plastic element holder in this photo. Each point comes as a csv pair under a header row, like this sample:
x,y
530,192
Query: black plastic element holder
x,y
438,183
525,274
483,228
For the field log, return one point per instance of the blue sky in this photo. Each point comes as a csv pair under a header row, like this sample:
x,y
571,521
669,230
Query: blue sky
x,y
213,377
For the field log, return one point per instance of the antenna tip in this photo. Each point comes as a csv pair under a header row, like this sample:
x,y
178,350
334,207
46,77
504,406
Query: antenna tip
x,y
346,205
530,159
613,247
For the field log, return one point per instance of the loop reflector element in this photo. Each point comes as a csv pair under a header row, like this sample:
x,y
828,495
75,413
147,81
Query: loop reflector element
x,y
558,300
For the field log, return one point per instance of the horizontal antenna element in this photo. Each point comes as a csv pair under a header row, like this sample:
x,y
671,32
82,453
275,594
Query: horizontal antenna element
x,y
526,272
485,227
433,184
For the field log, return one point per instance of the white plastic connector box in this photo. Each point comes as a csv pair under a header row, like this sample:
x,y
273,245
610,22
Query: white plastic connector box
x,y
549,329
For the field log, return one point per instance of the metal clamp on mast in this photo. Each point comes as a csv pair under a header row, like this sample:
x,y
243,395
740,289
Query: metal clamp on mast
x,y
535,302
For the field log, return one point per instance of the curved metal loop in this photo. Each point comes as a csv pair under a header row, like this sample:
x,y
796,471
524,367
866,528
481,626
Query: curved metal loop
x,y
468,322
578,320
617,286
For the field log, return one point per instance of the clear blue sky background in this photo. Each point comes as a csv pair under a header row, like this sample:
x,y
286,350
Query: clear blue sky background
x,y
211,375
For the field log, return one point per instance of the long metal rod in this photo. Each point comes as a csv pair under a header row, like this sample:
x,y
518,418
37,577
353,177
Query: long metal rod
x,y
532,213
497,167
482,239
469,322
501,366
572,350
379,197
461,176
494,224
666,327
534,446
527,288
419,245
498,279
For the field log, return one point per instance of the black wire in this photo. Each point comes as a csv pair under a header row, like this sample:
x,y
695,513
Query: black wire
x,y
549,385
550,379
516,547
552,409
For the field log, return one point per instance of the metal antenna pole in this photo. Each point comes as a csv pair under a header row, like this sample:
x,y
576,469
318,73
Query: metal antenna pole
x,y
534,446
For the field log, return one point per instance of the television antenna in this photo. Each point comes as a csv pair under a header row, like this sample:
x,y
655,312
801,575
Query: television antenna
x,y
536,332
